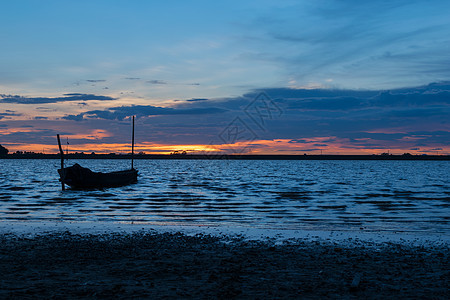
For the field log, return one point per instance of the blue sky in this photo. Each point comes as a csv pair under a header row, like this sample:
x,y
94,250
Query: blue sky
x,y
160,54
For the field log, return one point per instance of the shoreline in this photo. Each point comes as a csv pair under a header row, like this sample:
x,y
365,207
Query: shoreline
x,y
344,237
150,264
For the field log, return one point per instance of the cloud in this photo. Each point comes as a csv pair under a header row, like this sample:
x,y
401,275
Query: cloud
x,y
40,100
40,118
45,108
419,101
95,80
311,120
78,117
29,135
371,119
156,82
194,100
8,114
122,112
340,105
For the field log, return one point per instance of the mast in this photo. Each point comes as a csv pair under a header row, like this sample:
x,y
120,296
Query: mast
x,y
132,146
62,163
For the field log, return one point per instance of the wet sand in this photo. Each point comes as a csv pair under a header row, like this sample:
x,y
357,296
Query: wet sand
x,y
148,264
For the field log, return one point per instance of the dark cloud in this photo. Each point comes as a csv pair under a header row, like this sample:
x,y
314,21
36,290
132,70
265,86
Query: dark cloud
x,y
38,100
73,117
299,150
122,112
338,103
156,82
45,136
95,80
8,115
40,118
195,100
363,118
346,107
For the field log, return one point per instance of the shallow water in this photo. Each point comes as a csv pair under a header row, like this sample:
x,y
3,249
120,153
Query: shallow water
x,y
407,196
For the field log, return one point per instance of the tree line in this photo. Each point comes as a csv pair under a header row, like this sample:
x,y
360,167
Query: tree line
x,y
3,150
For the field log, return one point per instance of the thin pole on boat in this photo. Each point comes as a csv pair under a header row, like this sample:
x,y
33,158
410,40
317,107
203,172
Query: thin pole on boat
x,y
132,146
62,162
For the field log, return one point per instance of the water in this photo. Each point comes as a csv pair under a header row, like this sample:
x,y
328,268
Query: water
x,y
406,196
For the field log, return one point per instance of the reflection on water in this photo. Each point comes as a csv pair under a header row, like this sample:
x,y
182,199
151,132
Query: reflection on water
x,y
374,195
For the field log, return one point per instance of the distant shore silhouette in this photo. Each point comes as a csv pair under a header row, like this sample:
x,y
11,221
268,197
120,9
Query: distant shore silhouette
x,y
406,156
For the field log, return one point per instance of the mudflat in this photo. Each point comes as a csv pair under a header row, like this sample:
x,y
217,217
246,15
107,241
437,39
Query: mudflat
x,y
173,265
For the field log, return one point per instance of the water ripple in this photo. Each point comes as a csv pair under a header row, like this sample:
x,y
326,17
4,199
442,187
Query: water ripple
x,y
387,195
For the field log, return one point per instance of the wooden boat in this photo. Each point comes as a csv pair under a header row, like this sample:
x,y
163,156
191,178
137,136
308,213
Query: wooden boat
x,y
78,177
83,178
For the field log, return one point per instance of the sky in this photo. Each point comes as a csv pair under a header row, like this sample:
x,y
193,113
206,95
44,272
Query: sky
x,y
260,77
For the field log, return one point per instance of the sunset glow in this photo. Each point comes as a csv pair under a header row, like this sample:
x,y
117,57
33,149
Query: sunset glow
x,y
273,147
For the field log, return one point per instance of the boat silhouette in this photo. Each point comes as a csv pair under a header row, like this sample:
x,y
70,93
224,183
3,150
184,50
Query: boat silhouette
x,y
79,177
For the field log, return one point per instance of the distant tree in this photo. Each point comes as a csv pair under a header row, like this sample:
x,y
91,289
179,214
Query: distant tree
x,y
3,150
178,152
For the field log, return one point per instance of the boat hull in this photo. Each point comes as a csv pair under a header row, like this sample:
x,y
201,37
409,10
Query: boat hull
x,y
82,178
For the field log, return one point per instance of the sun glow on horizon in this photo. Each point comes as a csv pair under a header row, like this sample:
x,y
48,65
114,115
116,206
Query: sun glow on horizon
x,y
261,147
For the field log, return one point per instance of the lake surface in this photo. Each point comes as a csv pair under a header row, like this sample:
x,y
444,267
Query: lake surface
x,y
406,196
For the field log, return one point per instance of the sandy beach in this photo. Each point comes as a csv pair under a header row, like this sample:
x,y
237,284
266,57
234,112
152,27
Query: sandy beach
x,y
149,264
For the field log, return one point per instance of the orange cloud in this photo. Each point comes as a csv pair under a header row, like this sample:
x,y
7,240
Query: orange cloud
x,y
95,134
16,130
